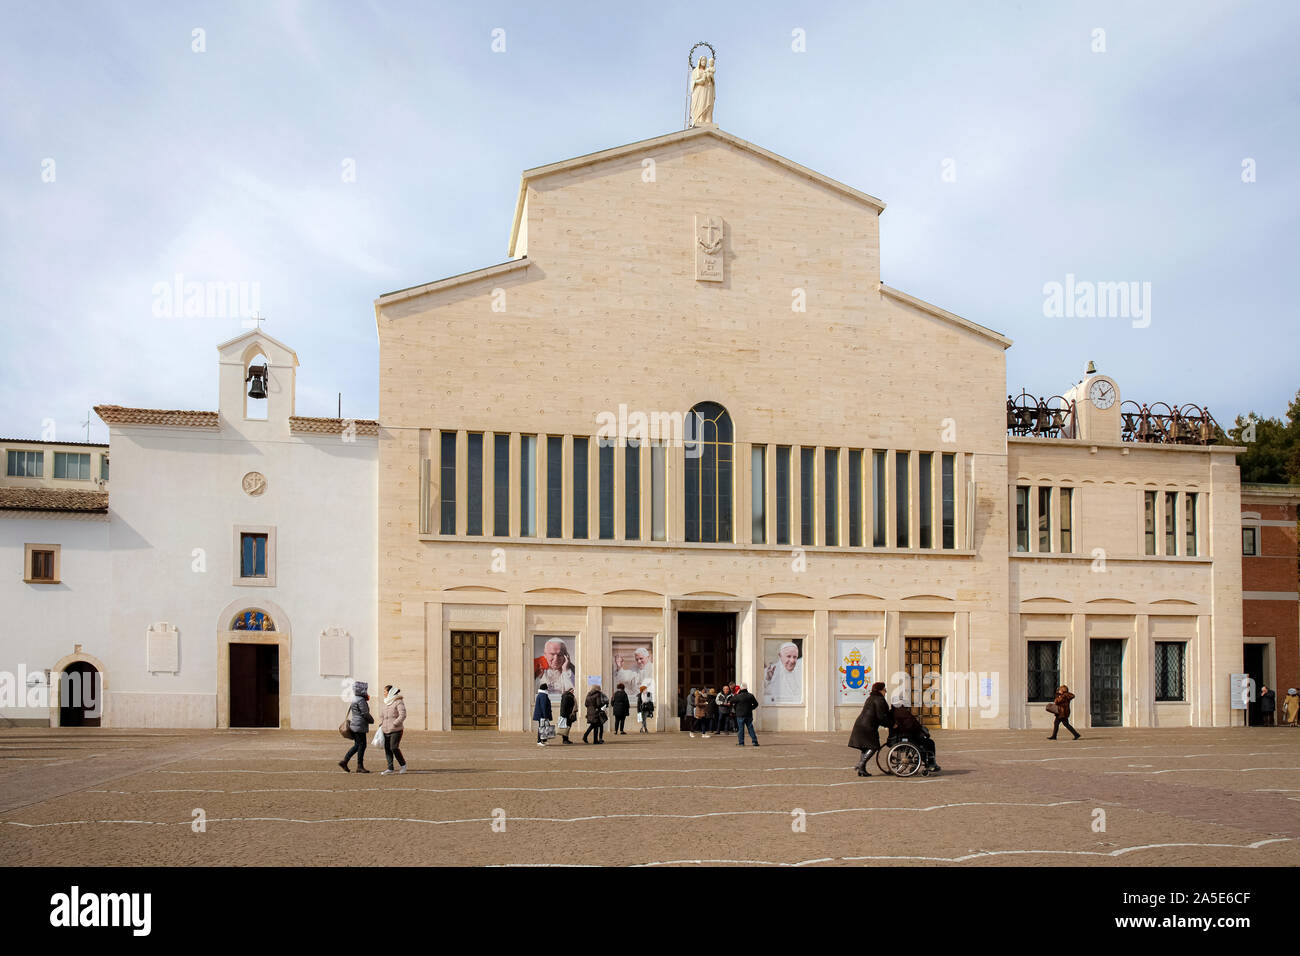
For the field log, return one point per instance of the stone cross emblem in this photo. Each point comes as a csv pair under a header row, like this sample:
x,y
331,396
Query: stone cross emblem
x,y
709,233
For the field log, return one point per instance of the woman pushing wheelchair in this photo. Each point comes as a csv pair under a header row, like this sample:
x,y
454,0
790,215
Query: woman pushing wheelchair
x,y
907,734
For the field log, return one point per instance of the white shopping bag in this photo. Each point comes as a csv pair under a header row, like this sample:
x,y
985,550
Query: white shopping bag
x,y
378,739
564,723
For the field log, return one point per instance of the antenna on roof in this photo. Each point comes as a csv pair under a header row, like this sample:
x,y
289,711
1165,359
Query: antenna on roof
x,y
86,425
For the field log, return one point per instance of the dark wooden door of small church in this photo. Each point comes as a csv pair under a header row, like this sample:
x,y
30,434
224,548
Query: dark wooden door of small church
x,y
254,685
473,679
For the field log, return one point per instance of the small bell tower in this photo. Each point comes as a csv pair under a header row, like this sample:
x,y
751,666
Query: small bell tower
x,y
1096,407
257,384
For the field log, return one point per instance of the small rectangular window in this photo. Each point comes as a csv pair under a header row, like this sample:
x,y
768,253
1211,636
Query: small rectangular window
x,y
103,467
1044,519
925,497
879,498
606,489
1022,518
758,494
948,491
527,485
1170,659
252,555
1171,522
831,458
1149,520
580,448
807,491
554,486
1044,658
501,485
1067,520
855,497
447,491
783,494
658,492
474,484
42,568
902,509
1250,542
632,491
1189,523
72,465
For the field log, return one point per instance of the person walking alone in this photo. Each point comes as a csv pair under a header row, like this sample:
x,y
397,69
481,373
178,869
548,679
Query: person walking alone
x,y
568,714
866,729
542,713
359,717
595,716
645,708
392,720
1267,706
744,705
620,705
1062,702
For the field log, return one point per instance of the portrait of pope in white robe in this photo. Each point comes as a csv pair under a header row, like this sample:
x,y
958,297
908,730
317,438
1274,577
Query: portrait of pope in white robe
x,y
783,675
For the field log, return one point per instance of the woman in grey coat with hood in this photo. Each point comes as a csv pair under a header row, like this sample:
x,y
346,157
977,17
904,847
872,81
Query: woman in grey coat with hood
x,y
359,718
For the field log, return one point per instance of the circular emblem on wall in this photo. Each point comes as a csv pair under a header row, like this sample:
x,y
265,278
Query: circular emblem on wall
x,y
254,483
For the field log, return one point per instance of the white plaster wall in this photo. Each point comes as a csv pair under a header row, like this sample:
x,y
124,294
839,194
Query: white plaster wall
x,y
42,622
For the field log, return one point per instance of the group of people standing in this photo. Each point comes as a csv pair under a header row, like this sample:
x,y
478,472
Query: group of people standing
x,y
730,710
598,707
1290,707
356,725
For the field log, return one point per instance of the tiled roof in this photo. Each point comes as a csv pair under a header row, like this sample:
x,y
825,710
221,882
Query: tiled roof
x,y
53,499
332,426
38,441
169,418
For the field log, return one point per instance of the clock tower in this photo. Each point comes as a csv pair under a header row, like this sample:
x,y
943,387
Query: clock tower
x,y
1096,408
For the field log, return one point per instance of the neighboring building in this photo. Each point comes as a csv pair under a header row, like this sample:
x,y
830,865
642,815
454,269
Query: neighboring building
x,y
1270,587
230,578
851,506
71,465
55,593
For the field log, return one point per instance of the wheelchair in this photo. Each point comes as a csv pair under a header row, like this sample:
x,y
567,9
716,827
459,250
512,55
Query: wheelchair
x,y
903,756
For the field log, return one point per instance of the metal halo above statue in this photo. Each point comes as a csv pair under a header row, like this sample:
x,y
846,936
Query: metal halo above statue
x,y
691,56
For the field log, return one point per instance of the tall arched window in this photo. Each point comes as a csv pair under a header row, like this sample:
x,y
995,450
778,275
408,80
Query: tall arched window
x,y
709,456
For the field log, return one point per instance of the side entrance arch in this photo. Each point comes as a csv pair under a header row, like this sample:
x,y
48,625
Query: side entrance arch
x,y
78,691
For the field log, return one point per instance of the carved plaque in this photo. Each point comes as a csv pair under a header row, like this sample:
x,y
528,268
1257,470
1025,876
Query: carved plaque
x,y
335,652
254,483
708,248
162,649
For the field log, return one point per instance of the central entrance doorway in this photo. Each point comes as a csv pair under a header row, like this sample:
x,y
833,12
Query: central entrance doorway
x,y
706,655
473,679
923,657
1106,684
254,685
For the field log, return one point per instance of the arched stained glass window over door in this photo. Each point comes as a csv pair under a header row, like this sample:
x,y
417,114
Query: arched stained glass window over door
x,y
710,458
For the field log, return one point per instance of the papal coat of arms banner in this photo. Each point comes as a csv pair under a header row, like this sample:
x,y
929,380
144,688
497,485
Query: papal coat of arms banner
x,y
856,669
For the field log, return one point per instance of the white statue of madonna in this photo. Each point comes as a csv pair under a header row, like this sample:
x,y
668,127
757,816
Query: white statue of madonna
x,y
702,93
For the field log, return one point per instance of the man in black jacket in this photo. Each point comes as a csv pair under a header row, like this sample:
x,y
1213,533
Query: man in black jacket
x,y
743,705
866,729
568,713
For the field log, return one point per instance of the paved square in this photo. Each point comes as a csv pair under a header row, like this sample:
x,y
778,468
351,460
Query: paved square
x,y
1211,797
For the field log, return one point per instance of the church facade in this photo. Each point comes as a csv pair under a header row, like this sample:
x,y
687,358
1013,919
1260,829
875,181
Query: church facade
x,y
685,436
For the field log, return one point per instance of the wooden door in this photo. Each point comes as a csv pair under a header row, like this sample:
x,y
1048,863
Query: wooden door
x,y
924,660
1106,683
254,685
474,689
706,654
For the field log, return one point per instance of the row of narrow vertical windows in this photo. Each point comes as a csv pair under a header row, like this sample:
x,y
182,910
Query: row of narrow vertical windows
x,y
1054,512
1160,523
709,474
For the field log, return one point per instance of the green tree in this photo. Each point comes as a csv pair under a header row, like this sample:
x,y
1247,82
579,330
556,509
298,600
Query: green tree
x,y
1272,446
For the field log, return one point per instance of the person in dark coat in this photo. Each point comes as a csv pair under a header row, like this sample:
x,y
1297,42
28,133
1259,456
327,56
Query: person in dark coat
x,y
542,712
359,718
569,713
711,715
866,729
1267,705
743,705
621,707
594,702
1062,702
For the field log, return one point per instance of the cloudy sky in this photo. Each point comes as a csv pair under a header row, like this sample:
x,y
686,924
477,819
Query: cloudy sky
x,y
326,153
